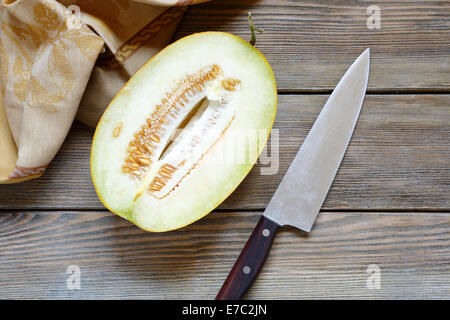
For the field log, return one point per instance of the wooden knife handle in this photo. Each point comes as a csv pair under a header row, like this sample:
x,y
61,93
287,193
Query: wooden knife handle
x,y
250,261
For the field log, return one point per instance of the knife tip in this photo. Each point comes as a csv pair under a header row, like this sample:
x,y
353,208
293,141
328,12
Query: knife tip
x,y
365,57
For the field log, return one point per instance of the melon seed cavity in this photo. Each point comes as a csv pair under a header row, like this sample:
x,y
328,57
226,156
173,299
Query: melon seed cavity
x,y
201,107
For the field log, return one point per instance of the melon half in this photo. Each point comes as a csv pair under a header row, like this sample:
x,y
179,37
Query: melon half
x,y
186,129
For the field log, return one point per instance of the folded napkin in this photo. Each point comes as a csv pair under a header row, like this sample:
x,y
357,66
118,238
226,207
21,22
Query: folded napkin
x,y
67,58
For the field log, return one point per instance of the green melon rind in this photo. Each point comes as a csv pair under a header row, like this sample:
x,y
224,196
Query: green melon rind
x,y
164,221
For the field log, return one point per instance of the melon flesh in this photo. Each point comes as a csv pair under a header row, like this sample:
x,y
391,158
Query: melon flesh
x,y
184,131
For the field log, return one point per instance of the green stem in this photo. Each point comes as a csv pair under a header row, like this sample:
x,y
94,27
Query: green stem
x,y
253,28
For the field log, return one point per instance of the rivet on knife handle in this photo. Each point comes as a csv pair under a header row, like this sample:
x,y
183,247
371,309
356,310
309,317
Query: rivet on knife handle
x,y
250,261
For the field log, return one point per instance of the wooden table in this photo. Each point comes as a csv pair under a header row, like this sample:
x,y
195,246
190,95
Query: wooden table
x,y
389,204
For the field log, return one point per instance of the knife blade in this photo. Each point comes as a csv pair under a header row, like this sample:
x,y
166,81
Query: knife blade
x,y
300,195
303,189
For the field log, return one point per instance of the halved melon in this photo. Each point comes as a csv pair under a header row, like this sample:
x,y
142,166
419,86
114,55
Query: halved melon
x,y
161,152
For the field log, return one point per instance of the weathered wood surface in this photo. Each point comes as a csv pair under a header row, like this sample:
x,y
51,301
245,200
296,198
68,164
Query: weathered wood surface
x,y
118,260
310,44
398,159
391,194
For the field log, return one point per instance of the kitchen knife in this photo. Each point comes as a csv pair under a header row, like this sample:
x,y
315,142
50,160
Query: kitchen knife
x,y
300,195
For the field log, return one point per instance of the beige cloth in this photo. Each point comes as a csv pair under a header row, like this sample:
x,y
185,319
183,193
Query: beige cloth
x,y
58,58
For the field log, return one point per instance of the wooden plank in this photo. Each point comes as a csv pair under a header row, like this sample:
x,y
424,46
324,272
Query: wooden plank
x,y
397,160
310,44
119,261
